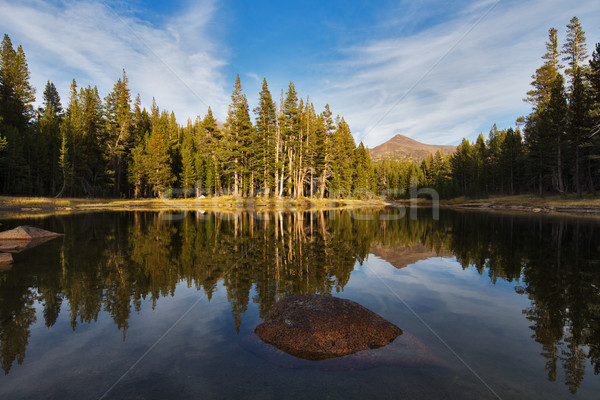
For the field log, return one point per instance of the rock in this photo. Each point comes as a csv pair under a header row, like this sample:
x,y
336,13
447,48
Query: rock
x,y
315,327
12,247
27,233
405,351
24,237
6,259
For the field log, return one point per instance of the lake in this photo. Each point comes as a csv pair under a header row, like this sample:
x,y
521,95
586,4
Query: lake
x,y
152,305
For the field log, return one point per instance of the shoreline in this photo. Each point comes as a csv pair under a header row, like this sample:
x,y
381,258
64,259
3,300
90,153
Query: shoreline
x,y
36,206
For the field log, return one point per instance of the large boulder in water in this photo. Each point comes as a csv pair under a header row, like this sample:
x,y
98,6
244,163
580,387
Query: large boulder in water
x,y
26,232
24,237
316,327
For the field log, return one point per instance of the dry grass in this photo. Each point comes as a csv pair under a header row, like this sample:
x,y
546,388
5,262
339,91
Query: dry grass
x,y
9,204
532,200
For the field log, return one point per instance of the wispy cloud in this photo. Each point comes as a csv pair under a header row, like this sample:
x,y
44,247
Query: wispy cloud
x,y
176,62
253,76
480,82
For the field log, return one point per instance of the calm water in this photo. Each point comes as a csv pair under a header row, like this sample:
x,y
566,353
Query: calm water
x,y
159,305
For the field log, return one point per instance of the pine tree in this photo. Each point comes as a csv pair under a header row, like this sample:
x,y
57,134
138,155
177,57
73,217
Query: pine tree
x,y
593,143
478,169
189,166
511,157
362,182
461,164
48,142
342,160
290,132
239,129
137,170
546,74
577,124
266,125
324,144
90,162
211,148
119,125
68,126
574,49
554,118
158,161
52,98
538,143
492,166
16,111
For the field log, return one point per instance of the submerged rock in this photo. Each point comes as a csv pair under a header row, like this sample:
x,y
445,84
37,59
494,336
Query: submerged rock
x,y
406,351
26,232
6,259
315,327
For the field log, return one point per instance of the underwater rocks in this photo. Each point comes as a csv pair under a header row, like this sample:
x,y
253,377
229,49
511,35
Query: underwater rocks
x,y
315,327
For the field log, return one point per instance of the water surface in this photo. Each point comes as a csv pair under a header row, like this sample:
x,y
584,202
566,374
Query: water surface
x,y
160,305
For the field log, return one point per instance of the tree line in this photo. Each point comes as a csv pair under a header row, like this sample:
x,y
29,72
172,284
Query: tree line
x,y
114,147
557,151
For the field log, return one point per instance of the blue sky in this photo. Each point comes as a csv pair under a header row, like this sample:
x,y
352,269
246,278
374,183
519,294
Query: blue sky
x,y
436,71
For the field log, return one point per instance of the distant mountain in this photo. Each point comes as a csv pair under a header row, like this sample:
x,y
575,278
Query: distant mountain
x,y
401,256
401,147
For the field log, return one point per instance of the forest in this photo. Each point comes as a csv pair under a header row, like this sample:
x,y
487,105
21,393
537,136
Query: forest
x,y
112,147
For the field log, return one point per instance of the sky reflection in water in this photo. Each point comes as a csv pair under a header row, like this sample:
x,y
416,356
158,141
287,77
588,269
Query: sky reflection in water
x,y
515,296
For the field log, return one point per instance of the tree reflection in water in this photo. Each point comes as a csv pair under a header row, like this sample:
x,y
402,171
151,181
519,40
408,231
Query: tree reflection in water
x,y
112,261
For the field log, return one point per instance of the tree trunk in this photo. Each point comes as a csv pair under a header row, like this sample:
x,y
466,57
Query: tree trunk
x,y
236,186
512,180
577,177
559,177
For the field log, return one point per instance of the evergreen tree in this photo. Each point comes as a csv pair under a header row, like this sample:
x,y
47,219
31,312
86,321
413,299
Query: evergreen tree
x,y
119,126
158,161
478,168
48,143
577,124
67,132
342,160
290,133
362,182
546,74
189,165
213,151
16,111
593,142
511,159
137,170
324,136
574,49
239,129
554,120
266,125
492,170
461,164
52,98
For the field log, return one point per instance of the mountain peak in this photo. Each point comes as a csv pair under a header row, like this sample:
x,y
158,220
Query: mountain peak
x,y
402,147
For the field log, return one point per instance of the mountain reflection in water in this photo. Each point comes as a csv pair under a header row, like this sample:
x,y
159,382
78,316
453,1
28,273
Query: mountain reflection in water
x,y
110,262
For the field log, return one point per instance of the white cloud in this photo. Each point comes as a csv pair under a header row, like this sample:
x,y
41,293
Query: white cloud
x,y
175,62
253,76
454,79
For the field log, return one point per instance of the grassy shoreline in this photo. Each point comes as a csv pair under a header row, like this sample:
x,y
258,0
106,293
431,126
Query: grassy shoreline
x,y
18,205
